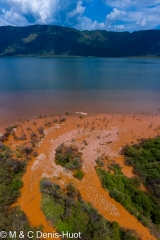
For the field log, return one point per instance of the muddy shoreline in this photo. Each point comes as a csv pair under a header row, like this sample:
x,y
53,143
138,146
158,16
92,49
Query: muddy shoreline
x,y
104,134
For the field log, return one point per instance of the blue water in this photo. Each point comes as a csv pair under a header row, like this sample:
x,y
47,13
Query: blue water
x,y
78,73
33,86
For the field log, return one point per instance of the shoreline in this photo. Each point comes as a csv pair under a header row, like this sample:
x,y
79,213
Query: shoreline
x,y
23,119
79,56
126,129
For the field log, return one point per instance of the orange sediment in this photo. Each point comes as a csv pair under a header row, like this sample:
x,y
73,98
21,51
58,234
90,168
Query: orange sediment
x,y
122,130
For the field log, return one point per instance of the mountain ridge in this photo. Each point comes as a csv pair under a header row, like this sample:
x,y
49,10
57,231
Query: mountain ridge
x,y
53,40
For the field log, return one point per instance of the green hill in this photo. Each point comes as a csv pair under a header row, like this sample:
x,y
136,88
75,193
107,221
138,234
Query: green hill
x,y
46,40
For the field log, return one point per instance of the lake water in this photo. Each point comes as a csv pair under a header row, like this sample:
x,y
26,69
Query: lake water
x,y
36,86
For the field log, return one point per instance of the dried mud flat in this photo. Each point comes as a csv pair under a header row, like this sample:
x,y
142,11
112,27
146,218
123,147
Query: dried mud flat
x,y
94,136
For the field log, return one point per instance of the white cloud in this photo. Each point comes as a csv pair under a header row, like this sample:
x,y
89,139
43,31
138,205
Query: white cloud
x,y
115,14
134,14
118,3
118,27
129,3
78,11
125,14
142,22
114,27
9,16
41,11
87,24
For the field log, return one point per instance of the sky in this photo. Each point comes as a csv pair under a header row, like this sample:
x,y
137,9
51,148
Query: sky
x,y
110,15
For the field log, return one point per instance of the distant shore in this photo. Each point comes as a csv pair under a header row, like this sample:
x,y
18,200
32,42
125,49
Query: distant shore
x,y
70,56
57,40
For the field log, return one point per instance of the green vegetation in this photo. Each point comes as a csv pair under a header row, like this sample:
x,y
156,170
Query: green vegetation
x,y
70,158
124,190
11,171
145,159
68,212
65,41
78,174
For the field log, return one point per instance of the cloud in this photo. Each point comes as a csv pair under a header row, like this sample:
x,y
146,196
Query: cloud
x,y
134,14
78,11
88,24
115,14
114,27
41,11
130,3
17,18
118,27
63,12
142,22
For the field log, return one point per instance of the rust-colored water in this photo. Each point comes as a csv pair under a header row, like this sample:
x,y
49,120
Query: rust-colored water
x,y
128,129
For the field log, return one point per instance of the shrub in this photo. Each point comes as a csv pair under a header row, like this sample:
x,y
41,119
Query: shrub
x,y
100,162
68,157
17,184
145,159
124,190
62,120
78,174
41,130
11,171
74,215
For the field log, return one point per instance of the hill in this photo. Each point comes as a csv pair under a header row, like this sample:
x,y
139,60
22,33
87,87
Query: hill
x,y
47,40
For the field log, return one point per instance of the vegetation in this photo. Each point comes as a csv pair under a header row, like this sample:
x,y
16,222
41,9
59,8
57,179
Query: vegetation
x,y
41,131
8,131
68,212
144,158
67,41
62,120
78,174
11,171
70,158
124,190
100,162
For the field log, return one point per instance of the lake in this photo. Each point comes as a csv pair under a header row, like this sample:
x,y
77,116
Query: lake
x,y
30,86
